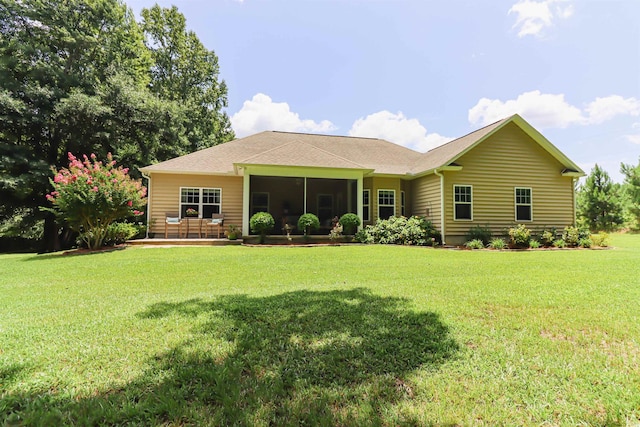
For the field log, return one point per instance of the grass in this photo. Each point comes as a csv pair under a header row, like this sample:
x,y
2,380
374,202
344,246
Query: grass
x,y
350,335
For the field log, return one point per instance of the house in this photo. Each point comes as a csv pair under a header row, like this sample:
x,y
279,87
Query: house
x,y
503,174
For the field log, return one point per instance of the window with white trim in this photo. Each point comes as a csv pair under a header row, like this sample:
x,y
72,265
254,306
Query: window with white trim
x,y
402,202
386,203
462,202
523,202
205,201
366,211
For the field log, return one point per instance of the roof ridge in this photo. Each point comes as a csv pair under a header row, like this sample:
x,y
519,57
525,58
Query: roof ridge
x,y
327,135
266,151
335,155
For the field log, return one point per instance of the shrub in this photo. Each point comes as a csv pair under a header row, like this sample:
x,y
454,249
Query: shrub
x,y
520,236
585,242
90,195
573,235
308,222
497,243
262,223
481,233
120,232
534,244
474,244
401,231
601,239
559,243
350,222
547,237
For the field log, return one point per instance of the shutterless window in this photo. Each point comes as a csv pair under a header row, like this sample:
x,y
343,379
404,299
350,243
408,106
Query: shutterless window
x,y
386,203
206,201
365,205
462,202
524,211
402,202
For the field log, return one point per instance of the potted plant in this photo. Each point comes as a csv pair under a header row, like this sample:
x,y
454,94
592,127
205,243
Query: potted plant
x,y
262,223
350,223
307,223
233,232
191,212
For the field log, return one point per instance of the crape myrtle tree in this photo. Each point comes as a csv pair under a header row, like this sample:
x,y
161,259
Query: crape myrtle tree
x,y
89,196
599,202
77,76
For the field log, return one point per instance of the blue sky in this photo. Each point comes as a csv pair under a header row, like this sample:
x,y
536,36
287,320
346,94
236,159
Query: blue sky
x,y
420,72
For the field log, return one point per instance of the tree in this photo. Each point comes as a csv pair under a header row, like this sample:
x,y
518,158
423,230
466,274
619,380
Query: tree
x,y
185,71
76,76
631,188
90,196
599,202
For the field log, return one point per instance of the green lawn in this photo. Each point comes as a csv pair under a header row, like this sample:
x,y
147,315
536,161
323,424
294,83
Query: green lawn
x,y
350,335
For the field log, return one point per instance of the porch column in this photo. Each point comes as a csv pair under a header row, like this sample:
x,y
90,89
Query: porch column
x,y
360,209
246,180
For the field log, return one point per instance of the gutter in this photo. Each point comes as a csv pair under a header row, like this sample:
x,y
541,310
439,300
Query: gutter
x,y
148,178
435,171
573,193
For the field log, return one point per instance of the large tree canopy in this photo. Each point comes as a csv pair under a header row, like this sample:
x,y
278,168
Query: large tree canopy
x,y
77,76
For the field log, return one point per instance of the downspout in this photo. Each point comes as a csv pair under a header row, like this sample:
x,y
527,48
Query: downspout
x,y
148,178
573,193
442,204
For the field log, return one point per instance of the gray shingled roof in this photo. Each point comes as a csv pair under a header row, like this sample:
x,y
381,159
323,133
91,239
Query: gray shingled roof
x,y
328,151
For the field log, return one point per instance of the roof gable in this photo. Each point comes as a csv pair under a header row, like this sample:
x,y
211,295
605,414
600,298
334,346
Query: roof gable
x,y
448,153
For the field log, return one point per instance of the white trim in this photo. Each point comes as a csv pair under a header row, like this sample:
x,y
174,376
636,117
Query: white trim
x,y
453,198
394,201
360,208
200,203
516,204
367,206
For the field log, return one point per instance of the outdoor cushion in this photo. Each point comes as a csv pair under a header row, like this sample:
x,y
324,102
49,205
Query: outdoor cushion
x,y
216,221
173,220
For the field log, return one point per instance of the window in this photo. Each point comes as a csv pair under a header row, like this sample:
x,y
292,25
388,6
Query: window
x,y
325,207
402,201
365,205
386,203
523,204
462,202
206,201
259,202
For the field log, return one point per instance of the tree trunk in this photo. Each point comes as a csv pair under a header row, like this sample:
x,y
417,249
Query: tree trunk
x,y
51,238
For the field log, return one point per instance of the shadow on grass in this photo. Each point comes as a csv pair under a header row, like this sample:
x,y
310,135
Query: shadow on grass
x,y
321,358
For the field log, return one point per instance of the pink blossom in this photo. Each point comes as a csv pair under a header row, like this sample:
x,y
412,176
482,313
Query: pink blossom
x,y
93,156
95,189
129,203
58,178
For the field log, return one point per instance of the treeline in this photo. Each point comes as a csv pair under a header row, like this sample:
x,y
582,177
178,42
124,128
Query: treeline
x,y
604,205
83,76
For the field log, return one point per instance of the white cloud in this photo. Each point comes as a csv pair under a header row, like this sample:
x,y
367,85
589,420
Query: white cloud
x,y
545,110
633,138
397,128
261,113
603,109
535,16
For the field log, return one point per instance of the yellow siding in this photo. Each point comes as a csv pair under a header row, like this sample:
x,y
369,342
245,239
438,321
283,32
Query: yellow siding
x,y
506,160
382,183
426,198
165,196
